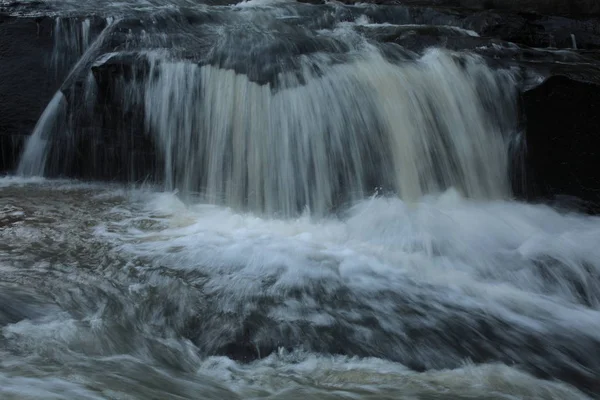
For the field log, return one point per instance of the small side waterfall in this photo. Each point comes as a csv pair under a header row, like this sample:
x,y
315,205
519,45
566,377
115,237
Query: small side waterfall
x,y
35,155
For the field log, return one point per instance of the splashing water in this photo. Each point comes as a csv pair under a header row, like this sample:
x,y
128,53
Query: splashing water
x,y
36,150
135,282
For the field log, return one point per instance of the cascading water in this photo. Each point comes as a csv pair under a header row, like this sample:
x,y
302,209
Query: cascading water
x,y
414,128
313,209
322,130
36,149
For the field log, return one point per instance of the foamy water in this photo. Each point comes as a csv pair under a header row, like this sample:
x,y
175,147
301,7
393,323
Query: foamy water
x,y
112,292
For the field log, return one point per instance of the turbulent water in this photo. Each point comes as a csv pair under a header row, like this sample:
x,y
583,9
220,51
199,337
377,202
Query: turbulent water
x,y
310,210
121,293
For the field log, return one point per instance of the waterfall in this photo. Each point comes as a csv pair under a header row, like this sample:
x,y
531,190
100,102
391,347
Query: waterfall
x,y
311,120
414,128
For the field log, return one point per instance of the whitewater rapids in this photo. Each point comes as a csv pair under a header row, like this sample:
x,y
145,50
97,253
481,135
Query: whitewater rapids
x,y
112,292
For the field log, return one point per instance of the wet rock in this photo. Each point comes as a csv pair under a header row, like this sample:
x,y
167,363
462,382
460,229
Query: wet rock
x,y
533,24
26,82
552,7
536,30
109,141
563,141
419,38
36,55
574,8
11,146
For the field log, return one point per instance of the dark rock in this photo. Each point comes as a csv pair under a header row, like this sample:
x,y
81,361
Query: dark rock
x,y
27,84
11,146
574,8
551,7
563,141
35,58
109,141
519,25
536,30
531,23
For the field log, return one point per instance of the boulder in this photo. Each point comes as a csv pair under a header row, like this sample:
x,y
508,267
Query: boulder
x,y
563,142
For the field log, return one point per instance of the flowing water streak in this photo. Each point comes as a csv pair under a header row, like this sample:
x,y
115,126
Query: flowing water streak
x,y
334,135
72,38
33,160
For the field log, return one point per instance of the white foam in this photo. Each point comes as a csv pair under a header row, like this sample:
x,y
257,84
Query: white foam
x,y
11,180
473,255
288,375
480,255
262,3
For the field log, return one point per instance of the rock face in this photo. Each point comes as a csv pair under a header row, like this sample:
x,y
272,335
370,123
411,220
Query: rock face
x,y
550,7
27,82
553,7
544,23
563,141
536,30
